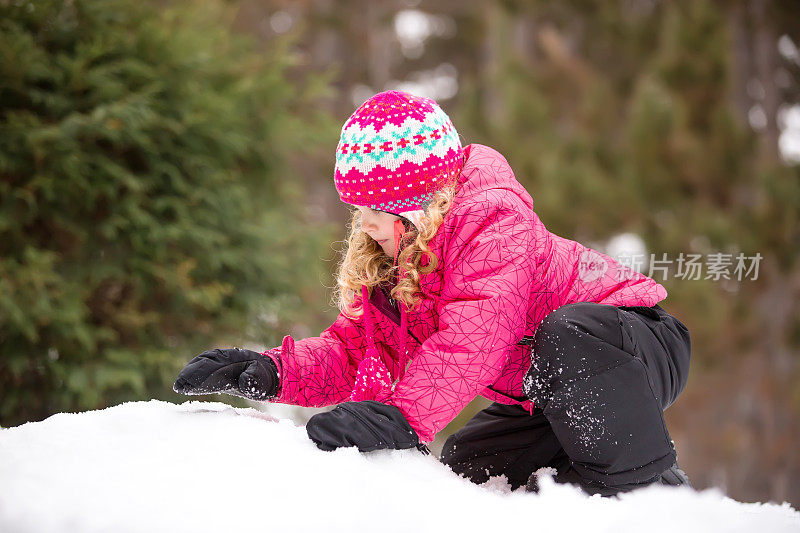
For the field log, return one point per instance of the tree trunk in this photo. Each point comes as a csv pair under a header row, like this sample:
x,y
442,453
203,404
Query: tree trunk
x,y
766,61
742,60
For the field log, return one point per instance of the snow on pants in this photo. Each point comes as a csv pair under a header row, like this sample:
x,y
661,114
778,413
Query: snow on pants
x,y
601,378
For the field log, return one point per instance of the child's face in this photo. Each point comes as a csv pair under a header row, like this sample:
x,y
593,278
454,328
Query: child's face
x,y
379,226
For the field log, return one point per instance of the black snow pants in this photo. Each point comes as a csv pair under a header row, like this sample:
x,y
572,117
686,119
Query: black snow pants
x,y
601,378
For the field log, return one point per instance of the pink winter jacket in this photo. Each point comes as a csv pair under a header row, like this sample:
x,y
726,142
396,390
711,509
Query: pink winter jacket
x,y
500,272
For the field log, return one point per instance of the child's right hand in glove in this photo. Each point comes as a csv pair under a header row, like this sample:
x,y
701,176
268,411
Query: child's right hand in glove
x,y
233,371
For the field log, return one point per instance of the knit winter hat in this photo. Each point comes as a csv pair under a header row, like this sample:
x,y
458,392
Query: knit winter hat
x,y
395,152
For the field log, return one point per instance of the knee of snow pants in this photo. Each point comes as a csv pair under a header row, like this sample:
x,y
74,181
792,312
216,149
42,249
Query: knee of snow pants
x,y
603,376
503,440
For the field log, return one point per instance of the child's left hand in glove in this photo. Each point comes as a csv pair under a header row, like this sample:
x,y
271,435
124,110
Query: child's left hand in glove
x,y
368,425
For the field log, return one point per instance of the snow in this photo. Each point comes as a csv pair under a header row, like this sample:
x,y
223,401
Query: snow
x,y
196,467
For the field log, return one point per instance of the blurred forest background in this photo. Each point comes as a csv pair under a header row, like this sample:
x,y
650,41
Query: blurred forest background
x,y
166,182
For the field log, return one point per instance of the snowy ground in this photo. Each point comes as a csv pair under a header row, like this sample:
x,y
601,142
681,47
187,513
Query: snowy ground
x,y
196,467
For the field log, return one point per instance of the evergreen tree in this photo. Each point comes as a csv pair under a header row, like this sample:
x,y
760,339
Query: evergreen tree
x,y
146,205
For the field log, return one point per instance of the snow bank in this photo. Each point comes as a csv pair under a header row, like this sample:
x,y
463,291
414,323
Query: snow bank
x,y
196,467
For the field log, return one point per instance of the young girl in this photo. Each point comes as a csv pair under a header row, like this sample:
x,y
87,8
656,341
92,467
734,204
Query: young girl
x,y
450,288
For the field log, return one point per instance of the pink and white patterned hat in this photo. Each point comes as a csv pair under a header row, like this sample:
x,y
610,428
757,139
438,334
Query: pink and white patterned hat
x,y
395,152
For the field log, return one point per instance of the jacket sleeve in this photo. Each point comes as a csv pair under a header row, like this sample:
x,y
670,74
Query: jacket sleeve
x,y
319,371
487,276
597,277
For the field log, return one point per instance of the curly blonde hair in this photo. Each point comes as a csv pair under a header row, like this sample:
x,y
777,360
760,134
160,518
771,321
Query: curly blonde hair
x,y
365,263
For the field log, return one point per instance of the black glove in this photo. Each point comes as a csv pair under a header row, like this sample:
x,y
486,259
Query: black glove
x,y
235,371
368,424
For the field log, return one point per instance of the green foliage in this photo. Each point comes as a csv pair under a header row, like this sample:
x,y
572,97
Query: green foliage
x,y
144,209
